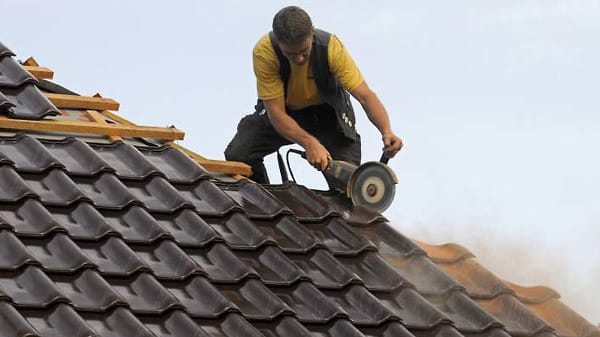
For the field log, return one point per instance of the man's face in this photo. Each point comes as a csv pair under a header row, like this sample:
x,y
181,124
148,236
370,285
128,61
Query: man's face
x,y
297,53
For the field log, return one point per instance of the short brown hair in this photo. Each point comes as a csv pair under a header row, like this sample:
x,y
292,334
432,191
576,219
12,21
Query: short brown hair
x,y
292,25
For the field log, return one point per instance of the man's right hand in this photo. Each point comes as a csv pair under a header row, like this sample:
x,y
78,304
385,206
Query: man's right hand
x,y
317,155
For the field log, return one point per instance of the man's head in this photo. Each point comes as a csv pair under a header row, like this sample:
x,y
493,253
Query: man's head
x,y
293,29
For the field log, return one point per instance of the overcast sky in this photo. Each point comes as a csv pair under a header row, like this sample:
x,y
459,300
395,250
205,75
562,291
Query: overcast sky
x,y
497,102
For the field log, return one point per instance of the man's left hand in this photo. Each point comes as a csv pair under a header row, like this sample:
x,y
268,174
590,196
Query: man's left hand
x,y
391,144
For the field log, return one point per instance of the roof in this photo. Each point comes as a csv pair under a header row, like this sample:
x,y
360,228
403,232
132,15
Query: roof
x,y
116,235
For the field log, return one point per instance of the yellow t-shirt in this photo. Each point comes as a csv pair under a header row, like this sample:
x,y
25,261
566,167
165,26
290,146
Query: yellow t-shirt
x,y
302,88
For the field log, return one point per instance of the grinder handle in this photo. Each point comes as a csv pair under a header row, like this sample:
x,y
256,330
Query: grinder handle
x,y
384,159
303,155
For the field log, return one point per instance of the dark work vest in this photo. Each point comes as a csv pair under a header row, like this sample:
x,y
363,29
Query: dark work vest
x,y
330,88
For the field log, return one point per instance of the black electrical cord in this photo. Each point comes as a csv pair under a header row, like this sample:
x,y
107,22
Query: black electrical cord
x,y
287,160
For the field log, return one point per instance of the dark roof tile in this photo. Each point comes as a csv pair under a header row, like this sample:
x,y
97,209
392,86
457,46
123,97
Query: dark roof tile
x,y
288,234
233,325
58,254
200,298
208,199
498,332
388,240
239,231
427,277
324,269
12,75
82,221
306,204
361,305
78,158
373,271
255,301
29,218
127,162
54,188
443,331
175,324
157,195
287,326
144,294
27,154
356,215
12,187
167,260
88,291
61,320
464,312
107,192
187,228
175,165
338,237
339,328
29,103
309,304
13,253
390,329
257,202
272,266
135,225
478,281
118,323
414,310
13,324
515,317
113,257
30,288
5,104
4,51
220,264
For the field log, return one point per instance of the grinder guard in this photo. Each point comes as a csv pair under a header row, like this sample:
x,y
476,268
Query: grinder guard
x,y
372,184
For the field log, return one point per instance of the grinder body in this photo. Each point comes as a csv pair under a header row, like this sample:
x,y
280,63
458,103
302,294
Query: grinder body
x,y
371,184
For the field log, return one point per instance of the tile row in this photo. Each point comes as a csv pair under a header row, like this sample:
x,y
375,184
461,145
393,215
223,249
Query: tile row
x,y
88,291
197,297
77,158
63,320
166,260
135,225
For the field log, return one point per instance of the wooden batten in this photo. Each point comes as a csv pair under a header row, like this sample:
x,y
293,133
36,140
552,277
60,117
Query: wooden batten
x,y
98,118
82,102
93,128
40,72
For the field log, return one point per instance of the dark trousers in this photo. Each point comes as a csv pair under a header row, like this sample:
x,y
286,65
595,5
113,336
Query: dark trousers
x,y
256,138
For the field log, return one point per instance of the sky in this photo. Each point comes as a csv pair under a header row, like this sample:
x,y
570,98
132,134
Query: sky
x,y
497,103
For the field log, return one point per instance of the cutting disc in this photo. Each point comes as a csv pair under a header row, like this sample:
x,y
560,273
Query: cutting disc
x,y
373,185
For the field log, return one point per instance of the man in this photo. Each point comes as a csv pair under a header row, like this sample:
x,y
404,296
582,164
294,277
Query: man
x,y
303,78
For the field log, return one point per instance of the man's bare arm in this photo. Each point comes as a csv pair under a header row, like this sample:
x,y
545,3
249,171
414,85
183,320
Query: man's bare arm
x,y
288,128
379,117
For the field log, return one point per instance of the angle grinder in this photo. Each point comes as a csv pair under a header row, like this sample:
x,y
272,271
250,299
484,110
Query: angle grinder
x,y
371,184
